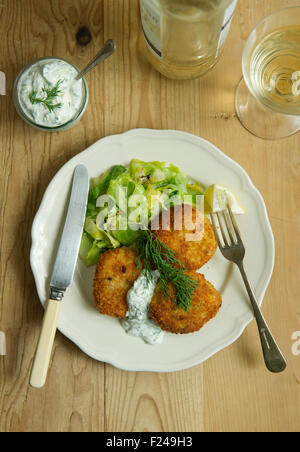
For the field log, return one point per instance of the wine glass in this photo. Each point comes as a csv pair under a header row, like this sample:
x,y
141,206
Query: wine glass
x,y
267,99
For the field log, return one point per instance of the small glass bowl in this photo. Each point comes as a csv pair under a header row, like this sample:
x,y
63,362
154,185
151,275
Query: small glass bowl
x,y
67,125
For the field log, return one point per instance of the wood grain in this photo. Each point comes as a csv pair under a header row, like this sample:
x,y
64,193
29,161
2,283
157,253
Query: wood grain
x,y
232,391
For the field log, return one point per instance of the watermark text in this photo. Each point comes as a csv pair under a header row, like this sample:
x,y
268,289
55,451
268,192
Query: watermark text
x,y
120,212
296,345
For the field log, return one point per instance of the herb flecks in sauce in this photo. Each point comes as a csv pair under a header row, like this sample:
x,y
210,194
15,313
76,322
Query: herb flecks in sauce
x,y
137,322
50,95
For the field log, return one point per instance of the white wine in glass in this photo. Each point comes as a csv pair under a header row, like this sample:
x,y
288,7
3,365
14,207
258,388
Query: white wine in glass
x,y
275,70
268,97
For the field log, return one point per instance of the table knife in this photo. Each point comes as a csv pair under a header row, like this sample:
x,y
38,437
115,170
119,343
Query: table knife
x,y
63,272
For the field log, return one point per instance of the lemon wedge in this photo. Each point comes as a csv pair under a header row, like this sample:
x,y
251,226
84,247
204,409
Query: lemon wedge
x,y
216,198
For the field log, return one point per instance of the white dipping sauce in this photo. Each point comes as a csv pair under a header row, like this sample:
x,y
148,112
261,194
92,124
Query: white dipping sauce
x,y
137,322
46,74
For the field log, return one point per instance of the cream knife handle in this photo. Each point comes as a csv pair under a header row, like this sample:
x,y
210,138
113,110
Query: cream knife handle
x,y
45,344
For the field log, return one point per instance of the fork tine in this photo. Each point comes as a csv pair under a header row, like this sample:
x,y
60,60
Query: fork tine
x,y
215,230
234,224
222,229
229,227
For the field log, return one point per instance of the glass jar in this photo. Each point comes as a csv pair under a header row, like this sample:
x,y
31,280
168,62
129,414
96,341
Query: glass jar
x,y
184,39
25,115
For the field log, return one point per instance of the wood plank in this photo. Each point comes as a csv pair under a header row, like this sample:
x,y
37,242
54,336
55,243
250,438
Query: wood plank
x,y
73,398
248,397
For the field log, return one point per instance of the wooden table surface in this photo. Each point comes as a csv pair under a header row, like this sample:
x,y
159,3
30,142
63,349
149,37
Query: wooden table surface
x,y
232,391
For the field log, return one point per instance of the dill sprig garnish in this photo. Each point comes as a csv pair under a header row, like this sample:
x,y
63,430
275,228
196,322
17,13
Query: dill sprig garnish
x,y
153,254
49,94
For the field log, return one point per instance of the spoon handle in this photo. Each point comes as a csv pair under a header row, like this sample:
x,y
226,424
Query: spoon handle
x,y
107,50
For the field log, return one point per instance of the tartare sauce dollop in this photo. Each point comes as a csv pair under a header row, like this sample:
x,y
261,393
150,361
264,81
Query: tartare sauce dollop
x,y
47,74
137,322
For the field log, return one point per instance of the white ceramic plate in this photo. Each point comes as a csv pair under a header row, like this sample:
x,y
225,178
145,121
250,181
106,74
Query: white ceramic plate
x,y
102,337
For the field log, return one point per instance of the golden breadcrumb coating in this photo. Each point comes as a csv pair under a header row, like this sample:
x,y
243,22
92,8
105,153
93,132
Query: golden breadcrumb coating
x,y
192,253
115,274
206,302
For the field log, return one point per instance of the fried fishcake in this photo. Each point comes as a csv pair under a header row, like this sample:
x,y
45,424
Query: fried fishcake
x,y
193,246
206,302
115,274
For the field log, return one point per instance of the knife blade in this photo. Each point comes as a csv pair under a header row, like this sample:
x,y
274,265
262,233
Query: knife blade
x,y
67,253
63,272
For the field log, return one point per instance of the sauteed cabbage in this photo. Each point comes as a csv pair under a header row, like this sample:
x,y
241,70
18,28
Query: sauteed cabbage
x,y
123,200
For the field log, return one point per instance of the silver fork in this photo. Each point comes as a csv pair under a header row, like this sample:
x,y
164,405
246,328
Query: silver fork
x,y
233,249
